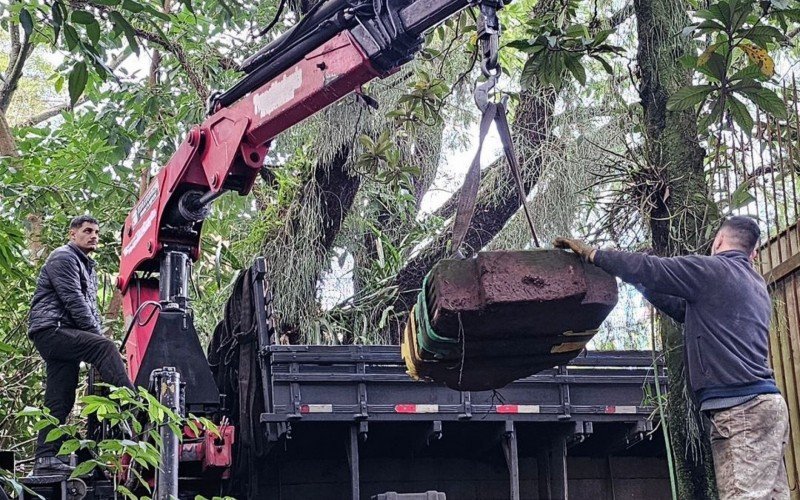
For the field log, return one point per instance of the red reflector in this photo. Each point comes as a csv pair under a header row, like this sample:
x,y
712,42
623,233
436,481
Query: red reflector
x,y
621,409
316,408
516,409
414,408
507,409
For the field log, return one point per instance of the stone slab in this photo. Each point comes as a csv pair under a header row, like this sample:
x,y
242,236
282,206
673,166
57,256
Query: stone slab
x,y
512,314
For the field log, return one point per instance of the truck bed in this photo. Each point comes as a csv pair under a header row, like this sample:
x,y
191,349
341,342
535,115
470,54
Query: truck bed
x,y
347,422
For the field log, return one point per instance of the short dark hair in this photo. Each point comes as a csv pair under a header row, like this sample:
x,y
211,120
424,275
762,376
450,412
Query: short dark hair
x,y
80,220
744,232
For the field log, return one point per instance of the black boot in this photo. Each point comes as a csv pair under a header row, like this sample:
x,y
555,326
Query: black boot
x,y
51,466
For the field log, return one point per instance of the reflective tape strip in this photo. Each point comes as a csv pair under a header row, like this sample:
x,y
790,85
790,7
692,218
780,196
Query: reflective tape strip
x,y
316,408
621,409
570,333
516,408
411,408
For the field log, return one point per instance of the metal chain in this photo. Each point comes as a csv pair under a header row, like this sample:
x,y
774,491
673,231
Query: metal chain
x,y
489,45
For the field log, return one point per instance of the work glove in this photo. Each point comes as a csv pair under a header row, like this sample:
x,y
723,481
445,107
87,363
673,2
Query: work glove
x,y
585,251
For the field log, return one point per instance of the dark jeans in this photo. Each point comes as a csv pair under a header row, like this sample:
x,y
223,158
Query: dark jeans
x,y
63,349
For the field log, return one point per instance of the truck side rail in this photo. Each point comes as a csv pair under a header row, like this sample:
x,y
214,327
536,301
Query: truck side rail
x,y
369,383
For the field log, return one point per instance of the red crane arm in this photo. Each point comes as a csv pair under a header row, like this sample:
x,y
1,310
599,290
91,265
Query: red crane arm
x,y
335,49
227,151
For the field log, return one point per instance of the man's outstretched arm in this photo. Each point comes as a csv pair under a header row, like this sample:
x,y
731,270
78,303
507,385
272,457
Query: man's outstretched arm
x,y
683,277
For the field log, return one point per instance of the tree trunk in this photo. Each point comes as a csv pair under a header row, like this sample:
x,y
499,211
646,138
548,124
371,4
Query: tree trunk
x,y
677,216
8,147
308,236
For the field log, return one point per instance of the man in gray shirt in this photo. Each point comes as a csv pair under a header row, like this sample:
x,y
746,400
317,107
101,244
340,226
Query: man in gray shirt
x,y
725,308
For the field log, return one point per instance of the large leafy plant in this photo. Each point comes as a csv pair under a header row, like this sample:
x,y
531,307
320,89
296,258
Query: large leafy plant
x,y
136,420
735,64
558,44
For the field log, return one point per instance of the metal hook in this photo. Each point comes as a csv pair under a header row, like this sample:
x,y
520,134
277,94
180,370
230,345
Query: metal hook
x,y
483,90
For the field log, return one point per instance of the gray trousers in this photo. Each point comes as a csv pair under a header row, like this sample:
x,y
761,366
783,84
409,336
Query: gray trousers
x,y
748,442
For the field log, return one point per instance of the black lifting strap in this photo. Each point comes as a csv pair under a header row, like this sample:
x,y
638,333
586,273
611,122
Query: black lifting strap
x,y
492,112
234,360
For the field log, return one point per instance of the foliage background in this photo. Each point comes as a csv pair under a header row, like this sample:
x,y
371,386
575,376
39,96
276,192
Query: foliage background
x,y
97,94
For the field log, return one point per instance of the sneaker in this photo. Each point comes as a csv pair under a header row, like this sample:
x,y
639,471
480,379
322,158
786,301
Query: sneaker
x,y
51,466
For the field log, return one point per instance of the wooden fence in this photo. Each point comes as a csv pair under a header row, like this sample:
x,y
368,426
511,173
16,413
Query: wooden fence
x,y
757,175
780,264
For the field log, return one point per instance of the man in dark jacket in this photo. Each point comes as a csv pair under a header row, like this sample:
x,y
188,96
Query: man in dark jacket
x,y
64,325
725,308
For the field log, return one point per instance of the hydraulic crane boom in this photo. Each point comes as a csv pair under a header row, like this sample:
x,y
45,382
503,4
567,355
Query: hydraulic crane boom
x,y
337,47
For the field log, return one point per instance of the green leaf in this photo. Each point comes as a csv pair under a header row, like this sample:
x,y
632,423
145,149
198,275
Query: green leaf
x,y
741,196
69,446
604,63
132,6
766,100
577,31
93,32
724,12
126,28
714,67
29,411
762,33
58,20
77,81
602,36
522,45
688,97
704,57
26,21
716,12
157,13
688,61
8,349
709,26
128,493
751,72
71,36
188,4
740,114
53,435
82,17
84,468
575,67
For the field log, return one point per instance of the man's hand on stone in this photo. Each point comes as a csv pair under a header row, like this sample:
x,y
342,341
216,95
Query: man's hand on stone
x,y
585,251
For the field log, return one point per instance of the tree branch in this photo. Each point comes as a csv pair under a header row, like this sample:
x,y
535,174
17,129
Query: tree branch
x,y
227,63
20,52
338,188
57,110
622,15
174,48
197,81
8,147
